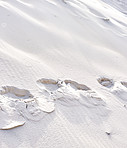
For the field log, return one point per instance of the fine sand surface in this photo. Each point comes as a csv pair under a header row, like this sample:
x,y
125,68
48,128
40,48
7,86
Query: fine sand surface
x,y
63,74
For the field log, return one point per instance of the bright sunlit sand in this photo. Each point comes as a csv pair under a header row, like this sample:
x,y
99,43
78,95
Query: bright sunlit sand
x,y
63,74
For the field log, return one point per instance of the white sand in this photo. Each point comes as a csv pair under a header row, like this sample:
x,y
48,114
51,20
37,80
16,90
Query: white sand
x,y
63,74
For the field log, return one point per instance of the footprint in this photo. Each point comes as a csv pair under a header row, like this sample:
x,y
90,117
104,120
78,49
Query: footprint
x,y
106,82
74,100
124,84
119,89
48,84
76,85
70,93
53,85
35,109
20,101
15,92
10,118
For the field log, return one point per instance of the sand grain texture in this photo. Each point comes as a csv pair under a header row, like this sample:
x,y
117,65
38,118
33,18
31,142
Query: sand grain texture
x,y
63,74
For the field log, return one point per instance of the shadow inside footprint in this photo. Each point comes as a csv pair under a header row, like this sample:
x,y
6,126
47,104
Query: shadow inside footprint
x,y
48,84
124,84
16,92
106,82
76,85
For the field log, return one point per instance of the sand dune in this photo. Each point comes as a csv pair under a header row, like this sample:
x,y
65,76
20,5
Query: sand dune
x,y
63,74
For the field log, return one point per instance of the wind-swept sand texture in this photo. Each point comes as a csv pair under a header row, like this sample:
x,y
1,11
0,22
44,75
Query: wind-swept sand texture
x,y
63,73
